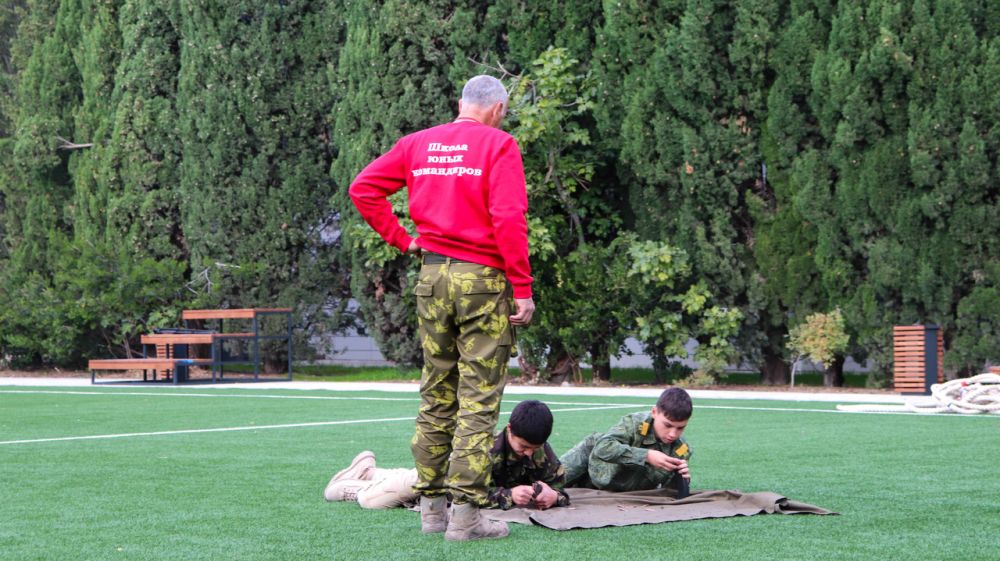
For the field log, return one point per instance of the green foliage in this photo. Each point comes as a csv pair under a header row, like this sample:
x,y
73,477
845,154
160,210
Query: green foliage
x,y
98,303
209,144
977,333
577,252
671,307
253,107
380,97
714,169
549,106
10,16
688,130
784,241
141,164
820,338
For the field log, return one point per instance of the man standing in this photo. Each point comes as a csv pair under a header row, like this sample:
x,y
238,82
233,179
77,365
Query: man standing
x,y
468,200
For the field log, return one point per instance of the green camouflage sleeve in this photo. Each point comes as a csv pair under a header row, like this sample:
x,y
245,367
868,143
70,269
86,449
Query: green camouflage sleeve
x,y
616,445
499,494
501,497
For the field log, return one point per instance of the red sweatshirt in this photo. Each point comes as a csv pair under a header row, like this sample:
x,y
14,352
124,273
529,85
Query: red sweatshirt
x,y
467,196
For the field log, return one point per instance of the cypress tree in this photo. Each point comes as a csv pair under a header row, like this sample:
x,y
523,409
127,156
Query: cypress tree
x,y
522,31
10,18
690,137
944,253
858,97
785,241
141,166
253,104
38,188
96,57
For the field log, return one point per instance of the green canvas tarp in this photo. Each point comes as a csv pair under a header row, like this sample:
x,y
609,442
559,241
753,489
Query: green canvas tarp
x,y
596,509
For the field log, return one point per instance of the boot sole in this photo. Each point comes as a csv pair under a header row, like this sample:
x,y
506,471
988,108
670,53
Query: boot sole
x,y
453,538
357,460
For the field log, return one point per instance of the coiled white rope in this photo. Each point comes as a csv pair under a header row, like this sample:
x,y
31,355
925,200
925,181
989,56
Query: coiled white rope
x,y
968,396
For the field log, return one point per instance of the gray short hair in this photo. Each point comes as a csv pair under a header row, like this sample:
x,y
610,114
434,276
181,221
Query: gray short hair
x,y
484,91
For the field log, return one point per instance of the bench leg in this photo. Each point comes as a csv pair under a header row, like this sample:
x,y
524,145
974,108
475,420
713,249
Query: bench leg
x,y
288,321
216,343
256,349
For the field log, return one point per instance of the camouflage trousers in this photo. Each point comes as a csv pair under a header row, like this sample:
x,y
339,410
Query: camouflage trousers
x,y
463,311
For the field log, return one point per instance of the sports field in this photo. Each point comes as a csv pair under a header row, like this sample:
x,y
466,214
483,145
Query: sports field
x,y
221,473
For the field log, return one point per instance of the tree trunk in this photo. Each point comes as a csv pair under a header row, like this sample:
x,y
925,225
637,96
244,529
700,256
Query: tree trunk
x,y
562,367
274,363
833,376
775,371
660,365
600,362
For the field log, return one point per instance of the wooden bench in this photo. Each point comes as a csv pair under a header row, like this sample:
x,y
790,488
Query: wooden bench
x,y
170,342
255,337
166,343
233,313
145,364
188,338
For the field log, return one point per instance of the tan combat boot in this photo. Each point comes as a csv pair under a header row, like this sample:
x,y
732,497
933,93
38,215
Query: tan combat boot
x,y
345,489
362,468
467,523
433,514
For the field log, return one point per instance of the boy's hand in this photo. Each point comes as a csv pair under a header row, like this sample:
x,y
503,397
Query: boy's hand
x,y
547,497
684,471
660,460
522,495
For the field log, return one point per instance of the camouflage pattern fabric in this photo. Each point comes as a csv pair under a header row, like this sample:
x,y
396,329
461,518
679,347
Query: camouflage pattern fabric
x,y
511,470
463,311
616,460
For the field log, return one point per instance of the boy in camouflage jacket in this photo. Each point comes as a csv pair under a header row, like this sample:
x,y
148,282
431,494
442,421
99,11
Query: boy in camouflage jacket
x,y
643,451
525,469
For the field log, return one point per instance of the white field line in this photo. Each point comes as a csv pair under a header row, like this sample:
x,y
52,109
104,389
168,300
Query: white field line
x,y
173,394
260,427
580,407
268,396
800,410
196,431
417,399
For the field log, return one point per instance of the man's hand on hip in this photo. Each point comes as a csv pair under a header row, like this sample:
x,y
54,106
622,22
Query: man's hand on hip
x,y
414,249
525,309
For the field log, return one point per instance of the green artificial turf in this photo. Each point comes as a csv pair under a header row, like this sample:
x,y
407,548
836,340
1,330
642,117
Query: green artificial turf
x,y
619,376
907,487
